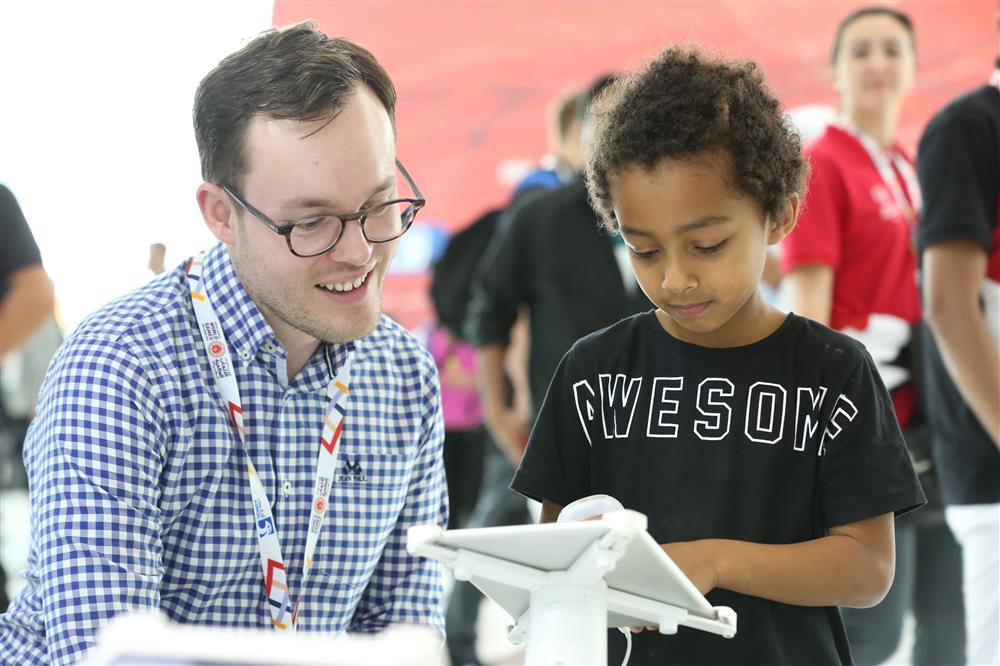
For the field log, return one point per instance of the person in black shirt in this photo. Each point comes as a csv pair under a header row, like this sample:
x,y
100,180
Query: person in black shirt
x,y
763,447
27,299
959,240
552,261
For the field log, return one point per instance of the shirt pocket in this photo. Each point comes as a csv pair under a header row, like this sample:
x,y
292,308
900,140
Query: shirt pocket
x,y
369,491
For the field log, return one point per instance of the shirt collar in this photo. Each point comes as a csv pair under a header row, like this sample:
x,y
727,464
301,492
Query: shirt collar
x,y
244,326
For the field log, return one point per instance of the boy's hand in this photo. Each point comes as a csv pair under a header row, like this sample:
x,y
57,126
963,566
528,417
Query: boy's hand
x,y
698,561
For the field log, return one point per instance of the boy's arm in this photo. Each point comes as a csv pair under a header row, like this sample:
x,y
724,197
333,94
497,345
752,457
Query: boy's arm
x,y
550,511
852,566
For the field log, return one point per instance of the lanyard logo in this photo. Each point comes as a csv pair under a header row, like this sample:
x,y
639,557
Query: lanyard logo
x,y
265,526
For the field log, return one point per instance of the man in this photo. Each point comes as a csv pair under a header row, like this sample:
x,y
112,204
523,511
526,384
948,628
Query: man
x,y
959,239
27,300
173,461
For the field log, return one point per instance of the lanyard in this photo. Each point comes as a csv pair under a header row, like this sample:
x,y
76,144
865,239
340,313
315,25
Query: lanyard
x,y
283,614
891,168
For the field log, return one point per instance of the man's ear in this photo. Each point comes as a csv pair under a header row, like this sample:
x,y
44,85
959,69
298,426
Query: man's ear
x,y
217,211
783,224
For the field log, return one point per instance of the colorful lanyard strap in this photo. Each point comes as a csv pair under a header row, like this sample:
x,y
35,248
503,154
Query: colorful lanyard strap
x,y
283,614
910,205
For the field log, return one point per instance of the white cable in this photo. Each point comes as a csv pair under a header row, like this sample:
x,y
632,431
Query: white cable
x,y
628,643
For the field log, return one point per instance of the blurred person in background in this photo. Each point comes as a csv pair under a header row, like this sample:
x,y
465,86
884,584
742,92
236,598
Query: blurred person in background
x,y
192,436
564,158
572,278
27,304
464,437
959,239
496,504
157,258
28,298
851,265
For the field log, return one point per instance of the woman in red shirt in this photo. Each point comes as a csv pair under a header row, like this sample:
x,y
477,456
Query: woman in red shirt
x,y
850,264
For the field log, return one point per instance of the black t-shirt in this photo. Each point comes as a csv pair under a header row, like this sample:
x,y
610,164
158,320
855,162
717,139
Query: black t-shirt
x,y
555,260
959,170
773,442
18,248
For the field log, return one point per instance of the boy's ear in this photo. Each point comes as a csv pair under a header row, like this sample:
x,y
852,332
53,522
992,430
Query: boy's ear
x,y
783,224
216,211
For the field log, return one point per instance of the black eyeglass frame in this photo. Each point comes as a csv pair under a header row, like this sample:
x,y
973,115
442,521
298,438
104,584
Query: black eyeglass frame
x,y
285,230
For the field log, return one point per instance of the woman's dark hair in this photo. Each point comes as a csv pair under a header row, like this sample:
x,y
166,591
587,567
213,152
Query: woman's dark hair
x,y
874,10
683,105
290,73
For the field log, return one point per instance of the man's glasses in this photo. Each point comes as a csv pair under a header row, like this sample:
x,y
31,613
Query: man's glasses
x,y
316,234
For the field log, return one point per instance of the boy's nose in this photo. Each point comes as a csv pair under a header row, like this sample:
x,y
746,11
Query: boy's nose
x,y
677,279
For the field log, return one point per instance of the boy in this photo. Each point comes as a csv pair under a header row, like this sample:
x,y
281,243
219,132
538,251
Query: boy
x,y
763,447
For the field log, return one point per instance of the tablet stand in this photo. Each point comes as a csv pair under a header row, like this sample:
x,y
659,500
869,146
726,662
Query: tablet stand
x,y
565,583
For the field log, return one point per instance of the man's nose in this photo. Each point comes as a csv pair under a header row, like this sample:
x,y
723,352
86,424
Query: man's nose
x,y
352,248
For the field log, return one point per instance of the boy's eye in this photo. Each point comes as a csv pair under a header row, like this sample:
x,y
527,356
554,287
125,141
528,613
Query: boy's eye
x,y
711,249
638,254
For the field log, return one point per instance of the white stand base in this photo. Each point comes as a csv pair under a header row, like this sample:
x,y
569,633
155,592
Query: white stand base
x,y
563,610
559,605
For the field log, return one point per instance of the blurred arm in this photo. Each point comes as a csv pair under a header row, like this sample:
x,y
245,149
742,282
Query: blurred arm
x,y
29,301
953,276
811,289
507,426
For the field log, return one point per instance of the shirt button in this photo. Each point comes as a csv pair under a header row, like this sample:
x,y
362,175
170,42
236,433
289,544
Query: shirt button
x,y
245,355
286,488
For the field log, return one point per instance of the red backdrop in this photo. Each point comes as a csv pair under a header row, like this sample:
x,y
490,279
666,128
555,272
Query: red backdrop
x,y
475,78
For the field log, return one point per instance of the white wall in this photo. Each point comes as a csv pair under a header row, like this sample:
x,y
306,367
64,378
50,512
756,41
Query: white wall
x,y
96,139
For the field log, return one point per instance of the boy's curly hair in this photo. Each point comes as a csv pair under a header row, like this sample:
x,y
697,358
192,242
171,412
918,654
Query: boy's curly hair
x,y
683,104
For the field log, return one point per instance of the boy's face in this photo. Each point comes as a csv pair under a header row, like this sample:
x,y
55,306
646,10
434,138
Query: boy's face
x,y
697,247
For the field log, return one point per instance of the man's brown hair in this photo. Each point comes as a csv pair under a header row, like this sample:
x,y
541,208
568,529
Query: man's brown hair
x,y
290,73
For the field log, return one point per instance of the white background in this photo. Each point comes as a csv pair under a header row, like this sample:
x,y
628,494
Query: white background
x,y
96,140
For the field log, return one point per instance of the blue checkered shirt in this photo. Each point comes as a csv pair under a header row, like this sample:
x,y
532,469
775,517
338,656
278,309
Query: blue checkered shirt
x,y
138,493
